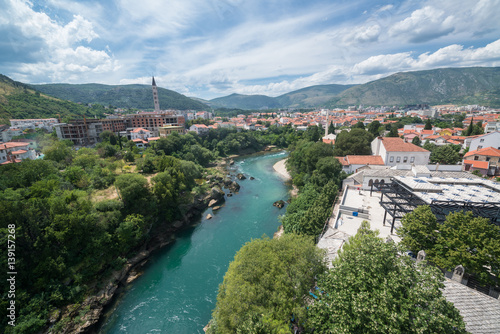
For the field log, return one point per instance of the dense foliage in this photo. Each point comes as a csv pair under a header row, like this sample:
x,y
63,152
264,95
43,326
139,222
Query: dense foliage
x,y
121,96
265,284
461,239
445,154
318,174
354,142
373,289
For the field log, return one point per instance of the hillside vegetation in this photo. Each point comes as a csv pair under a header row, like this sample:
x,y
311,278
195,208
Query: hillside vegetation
x,y
121,96
246,102
18,100
311,96
474,85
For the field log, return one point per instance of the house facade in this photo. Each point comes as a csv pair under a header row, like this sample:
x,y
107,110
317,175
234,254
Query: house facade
x,y
394,151
491,139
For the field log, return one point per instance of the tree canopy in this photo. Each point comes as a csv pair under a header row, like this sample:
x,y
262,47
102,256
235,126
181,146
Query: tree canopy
x,y
355,142
266,284
461,239
371,288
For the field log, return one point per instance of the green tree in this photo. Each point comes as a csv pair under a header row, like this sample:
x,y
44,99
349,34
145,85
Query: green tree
x,y
393,132
134,191
359,125
374,128
471,242
331,128
266,284
59,151
470,128
428,125
461,240
416,141
419,230
356,142
373,289
445,154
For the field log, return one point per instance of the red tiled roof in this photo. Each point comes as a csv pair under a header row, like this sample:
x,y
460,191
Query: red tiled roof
x,y
427,132
393,144
488,151
477,164
139,129
365,160
12,144
19,152
342,160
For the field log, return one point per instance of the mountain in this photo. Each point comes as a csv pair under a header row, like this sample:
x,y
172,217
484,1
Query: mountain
x,y
18,100
240,101
312,96
121,96
473,85
309,97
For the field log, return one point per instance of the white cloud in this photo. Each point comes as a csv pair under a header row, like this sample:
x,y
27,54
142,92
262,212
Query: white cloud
x,y
424,24
363,34
60,55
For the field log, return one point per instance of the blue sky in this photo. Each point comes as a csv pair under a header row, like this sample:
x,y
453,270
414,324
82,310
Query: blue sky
x,y
212,48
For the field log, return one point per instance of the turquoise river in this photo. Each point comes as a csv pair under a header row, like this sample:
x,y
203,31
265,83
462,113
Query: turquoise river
x,y
178,290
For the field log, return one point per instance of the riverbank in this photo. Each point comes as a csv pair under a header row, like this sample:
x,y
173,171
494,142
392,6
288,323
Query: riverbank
x,y
178,289
280,168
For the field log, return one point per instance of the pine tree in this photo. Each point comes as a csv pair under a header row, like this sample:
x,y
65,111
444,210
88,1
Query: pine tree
x,y
428,125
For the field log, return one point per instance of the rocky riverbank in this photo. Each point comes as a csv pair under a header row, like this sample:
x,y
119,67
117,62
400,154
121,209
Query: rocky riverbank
x,y
85,317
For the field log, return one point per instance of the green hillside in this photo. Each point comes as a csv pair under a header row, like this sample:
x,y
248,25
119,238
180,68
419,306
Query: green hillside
x,y
313,96
18,100
121,96
245,102
473,85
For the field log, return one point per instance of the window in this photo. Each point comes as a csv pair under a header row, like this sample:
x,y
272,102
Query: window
x,y
392,159
479,147
405,159
398,159
476,157
482,140
487,158
412,159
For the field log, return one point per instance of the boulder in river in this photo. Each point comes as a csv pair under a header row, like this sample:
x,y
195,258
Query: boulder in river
x,y
209,216
252,178
230,195
212,202
234,187
279,204
241,176
215,208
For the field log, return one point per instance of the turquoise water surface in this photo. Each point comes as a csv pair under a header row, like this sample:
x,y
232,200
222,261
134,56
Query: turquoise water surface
x,y
178,290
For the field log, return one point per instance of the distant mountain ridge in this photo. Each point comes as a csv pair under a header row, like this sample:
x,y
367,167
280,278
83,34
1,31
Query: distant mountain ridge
x,y
308,97
121,96
471,85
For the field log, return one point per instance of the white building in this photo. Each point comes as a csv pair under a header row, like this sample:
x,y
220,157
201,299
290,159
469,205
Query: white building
x,y
34,123
140,133
8,134
492,127
200,129
394,151
491,139
15,152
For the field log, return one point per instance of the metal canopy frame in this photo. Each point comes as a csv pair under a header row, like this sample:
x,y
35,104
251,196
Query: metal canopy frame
x,y
398,200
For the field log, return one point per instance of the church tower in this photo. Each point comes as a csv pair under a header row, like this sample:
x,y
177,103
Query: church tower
x,y
155,96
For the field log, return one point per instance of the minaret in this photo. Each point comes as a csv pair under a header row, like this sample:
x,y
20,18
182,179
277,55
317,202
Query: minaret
x,y
327,123
155,96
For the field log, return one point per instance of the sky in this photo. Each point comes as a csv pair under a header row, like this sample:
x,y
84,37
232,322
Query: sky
x,y
213,48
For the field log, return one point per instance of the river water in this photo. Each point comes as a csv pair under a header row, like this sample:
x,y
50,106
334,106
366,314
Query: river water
x,y
178,290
